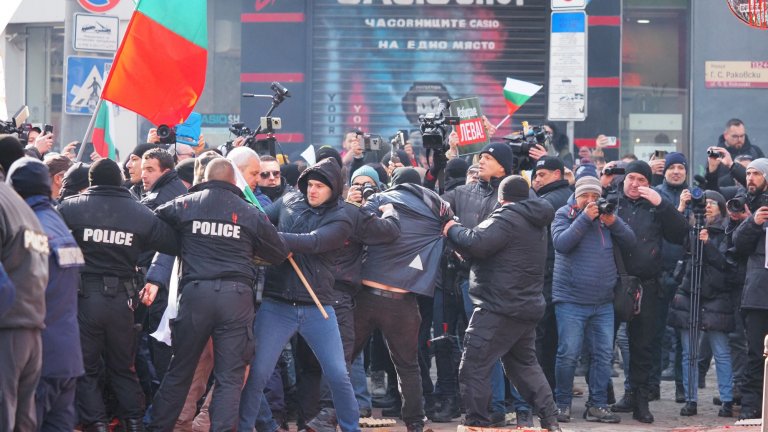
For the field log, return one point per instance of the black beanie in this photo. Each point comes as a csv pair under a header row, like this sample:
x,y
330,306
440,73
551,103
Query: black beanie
x,y
140,149
513,189
317,176
186,170
503,155
405,175
10,150
105,172
29,176
76,178
456,168
640,167
326,152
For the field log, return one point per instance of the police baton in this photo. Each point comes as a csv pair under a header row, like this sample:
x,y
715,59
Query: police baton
x,y
309,288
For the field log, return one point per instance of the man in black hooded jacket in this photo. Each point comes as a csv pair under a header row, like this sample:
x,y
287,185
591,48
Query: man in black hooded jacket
x,y
509,250
314,226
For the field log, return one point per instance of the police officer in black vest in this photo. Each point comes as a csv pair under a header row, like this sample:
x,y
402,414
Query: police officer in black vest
x,y
220,236
112,229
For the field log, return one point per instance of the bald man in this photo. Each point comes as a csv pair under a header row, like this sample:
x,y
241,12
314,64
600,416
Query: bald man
x,y
220,235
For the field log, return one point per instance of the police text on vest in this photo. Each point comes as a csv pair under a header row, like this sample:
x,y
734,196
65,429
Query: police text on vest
x,y
107,236
216,229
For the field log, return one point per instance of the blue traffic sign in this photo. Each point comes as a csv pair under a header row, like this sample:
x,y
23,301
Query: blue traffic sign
x,y
84,80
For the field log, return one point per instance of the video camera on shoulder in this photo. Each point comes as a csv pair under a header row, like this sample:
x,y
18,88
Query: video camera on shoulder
x,y
435,127
522,142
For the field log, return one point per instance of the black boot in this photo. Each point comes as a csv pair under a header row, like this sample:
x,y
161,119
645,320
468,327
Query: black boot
x,y
626,404
726,410
689,409
96,427
611,395
641,412
134,425
449,410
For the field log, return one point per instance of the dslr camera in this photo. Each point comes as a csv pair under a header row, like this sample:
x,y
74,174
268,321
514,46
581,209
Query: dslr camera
x,y
368,189
605,207
435,127
166,134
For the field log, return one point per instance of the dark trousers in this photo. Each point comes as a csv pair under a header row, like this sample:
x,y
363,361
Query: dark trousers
x,y
546,343
399,321
222,310
55,400
345,316
491,337
21,357
448,314
108,339
664,300
642,331
756,326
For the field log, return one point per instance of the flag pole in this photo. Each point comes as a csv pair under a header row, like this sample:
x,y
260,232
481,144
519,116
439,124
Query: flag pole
x,y
503,120
88,130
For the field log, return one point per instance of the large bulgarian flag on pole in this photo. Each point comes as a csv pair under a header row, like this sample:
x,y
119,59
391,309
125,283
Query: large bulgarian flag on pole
x,y
104,131
159,69
517,92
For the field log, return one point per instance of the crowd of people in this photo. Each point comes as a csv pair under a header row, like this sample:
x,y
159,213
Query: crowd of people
x,y
315,292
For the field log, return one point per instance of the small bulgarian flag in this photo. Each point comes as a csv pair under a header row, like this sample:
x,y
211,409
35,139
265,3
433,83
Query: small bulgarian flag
x,y
104,131
159,69
517,92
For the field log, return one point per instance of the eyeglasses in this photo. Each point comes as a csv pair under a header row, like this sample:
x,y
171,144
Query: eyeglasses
x,y
267,174
711,203
738,136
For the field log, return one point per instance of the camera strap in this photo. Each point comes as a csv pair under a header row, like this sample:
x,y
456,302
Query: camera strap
x,y
619,260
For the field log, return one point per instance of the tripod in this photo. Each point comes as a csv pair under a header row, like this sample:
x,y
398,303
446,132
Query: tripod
x,y
697,255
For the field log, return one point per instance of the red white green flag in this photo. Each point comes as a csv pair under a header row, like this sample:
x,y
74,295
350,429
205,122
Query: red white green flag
x,y
104,131
159,69
517,92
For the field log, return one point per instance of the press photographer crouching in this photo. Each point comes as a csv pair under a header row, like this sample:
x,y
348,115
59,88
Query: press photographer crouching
x,y
506,279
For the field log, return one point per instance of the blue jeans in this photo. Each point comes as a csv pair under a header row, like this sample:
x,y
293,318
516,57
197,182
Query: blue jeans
x,y
275,324
721,351
498,389
573,323
360,382
622,341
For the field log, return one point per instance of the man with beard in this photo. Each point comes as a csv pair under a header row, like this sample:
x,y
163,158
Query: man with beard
x,y
271,183
133,168
749,239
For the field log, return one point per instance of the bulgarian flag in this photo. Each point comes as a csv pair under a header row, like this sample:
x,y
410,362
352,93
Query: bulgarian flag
x,y
517,92
104,131
159,69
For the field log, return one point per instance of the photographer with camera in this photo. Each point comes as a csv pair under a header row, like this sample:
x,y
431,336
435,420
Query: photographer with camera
x,y
509,251
652,219
584,235
716,314
749,239
549,184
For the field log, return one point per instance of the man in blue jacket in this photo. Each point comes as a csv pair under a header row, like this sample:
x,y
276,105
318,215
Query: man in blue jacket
x,y
582,293
62,355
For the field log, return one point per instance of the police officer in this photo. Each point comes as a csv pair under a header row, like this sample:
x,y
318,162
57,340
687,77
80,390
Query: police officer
x,y
220,235
24,255
112,229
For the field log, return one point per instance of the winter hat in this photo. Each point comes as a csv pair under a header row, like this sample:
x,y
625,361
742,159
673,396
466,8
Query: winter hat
x,y
10,150
405,175
513,188
586,169
186,170
761,165
588,184
29,176
675,158
456,168
640,167
368,171
503,155
551,163
326,152
317,176
716,196
140,149
76,177
105,172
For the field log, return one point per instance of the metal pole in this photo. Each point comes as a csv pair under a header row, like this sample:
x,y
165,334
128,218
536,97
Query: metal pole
x,y
88,130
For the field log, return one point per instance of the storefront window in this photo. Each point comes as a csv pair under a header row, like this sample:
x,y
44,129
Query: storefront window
x,y
655,73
